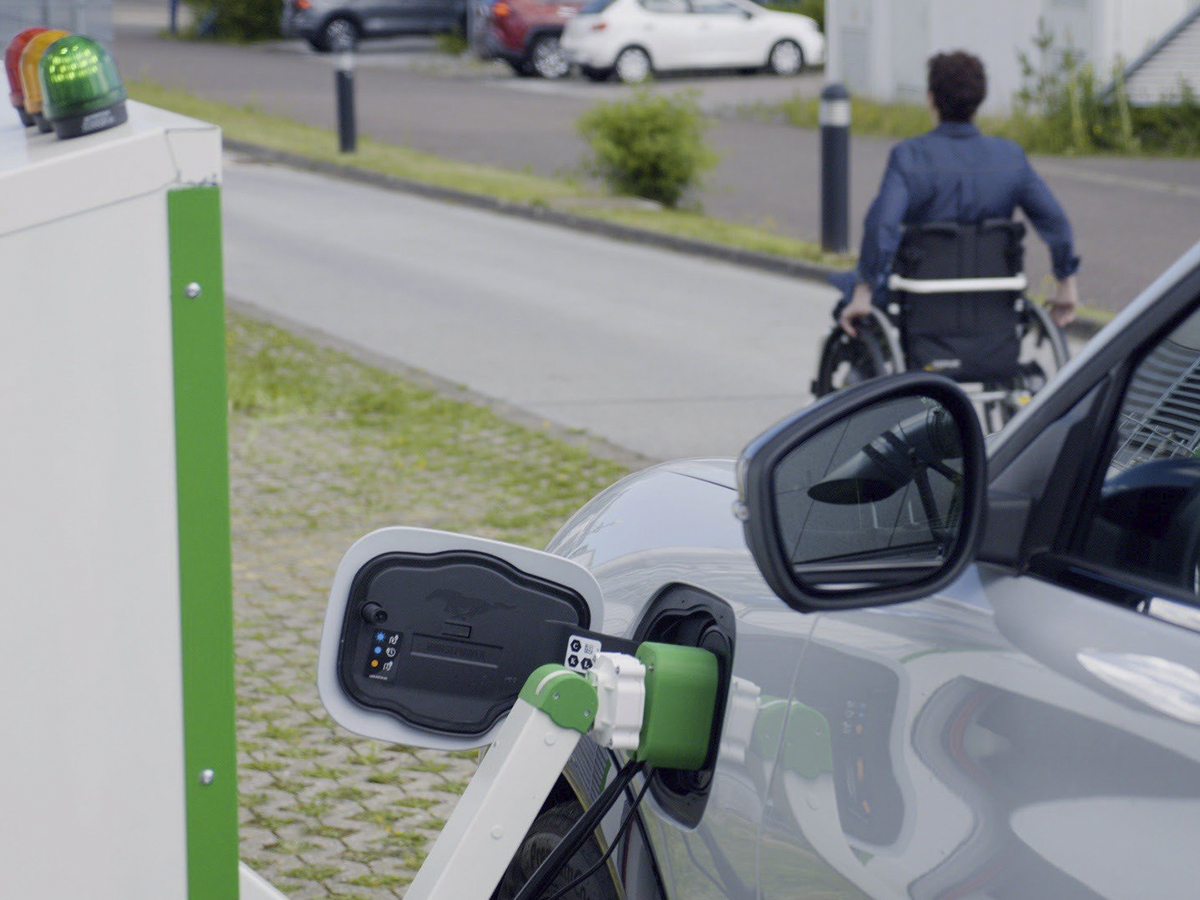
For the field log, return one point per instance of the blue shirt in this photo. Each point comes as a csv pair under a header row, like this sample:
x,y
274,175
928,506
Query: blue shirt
x,y
956,174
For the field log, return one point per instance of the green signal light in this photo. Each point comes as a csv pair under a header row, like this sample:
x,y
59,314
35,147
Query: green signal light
x,y
82,90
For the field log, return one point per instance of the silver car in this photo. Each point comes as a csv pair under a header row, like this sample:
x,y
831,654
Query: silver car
x,y
949,669
335,25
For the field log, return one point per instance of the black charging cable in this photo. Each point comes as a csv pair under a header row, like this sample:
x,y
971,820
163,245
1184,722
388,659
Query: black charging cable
x,y
625,822
639,821
540,880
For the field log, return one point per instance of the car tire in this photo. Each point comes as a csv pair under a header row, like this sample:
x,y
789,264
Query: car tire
x,y
596,75
632,66
544,835
520,68
338,36
785,59
547,59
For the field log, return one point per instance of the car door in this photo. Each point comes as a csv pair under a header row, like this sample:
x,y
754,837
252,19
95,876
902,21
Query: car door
x,y
724,35
1034,728
667,30
406,16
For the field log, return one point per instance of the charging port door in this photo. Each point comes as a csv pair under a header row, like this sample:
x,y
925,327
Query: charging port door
x,y
429,636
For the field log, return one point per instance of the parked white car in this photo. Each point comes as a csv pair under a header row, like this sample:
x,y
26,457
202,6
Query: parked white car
x,y
635,38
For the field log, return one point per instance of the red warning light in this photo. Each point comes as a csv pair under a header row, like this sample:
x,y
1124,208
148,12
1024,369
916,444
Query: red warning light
x,y
12,65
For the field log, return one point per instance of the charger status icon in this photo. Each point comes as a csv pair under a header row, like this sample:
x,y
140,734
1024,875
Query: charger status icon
x,y
382,653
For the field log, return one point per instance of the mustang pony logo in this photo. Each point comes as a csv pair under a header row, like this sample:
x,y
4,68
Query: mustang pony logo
x,y
463,606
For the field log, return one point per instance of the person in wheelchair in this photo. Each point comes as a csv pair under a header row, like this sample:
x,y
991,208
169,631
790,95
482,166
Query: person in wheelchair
x,y
945,206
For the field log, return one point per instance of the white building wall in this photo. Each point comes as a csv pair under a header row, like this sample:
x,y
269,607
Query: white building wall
x,y
90,17
1136,25
1160,75
879,48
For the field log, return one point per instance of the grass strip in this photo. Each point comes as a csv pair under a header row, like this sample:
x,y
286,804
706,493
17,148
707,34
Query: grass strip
x,y
1164,129
870,117
324,449
521,483
253,125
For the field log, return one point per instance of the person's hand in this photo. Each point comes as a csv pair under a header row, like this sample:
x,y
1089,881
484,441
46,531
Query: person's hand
x,y
1062,307
859,307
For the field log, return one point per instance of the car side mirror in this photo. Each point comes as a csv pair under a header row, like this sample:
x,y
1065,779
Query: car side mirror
x,y
873,495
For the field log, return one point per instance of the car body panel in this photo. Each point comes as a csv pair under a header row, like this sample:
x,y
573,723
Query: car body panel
x,y
619,537
374,18
1012,736
1008,728
993,718
739,36
511,37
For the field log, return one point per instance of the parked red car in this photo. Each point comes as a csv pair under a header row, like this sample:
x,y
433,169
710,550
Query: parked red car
x,y
524,33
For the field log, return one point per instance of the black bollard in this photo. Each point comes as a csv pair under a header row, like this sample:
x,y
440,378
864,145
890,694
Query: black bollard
x,y
344,84
834,117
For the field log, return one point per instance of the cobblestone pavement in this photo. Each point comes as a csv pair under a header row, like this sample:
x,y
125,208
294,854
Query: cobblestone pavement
x,y
323,450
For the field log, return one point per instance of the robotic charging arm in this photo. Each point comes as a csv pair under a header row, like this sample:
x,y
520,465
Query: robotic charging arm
x,y
658,705
427,637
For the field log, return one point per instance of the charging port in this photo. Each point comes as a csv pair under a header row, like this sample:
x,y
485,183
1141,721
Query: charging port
x,y
690,617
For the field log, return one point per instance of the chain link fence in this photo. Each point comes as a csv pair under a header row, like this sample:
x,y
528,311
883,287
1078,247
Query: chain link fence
x,y
90,17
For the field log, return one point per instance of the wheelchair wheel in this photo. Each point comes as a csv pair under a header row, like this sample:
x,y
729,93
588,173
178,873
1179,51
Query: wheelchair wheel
x,y
1043,352
846,361
1043,348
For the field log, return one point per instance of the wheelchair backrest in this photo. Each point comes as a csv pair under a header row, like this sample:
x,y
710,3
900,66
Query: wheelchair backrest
x,y
993,248
958,286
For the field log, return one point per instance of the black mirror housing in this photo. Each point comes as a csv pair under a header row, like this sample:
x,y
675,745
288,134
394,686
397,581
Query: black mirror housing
x,y
873,495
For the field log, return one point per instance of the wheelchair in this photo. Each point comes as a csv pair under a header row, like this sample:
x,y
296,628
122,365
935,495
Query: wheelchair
x,y
956,306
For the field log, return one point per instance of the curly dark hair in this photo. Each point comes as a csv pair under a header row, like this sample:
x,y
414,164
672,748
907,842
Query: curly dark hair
x,y
958,85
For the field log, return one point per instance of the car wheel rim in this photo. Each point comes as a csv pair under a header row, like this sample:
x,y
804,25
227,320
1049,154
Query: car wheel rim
x,y
785,59
339,35
633,66
549,61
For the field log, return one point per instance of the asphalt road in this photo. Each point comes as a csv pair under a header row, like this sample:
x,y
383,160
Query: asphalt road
x,y
1132,217
663,354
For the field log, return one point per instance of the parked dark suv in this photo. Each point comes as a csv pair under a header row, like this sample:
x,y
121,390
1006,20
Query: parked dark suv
x,y
525,33
331,25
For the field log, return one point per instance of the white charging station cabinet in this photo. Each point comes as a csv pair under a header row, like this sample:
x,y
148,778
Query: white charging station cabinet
x,y
118,756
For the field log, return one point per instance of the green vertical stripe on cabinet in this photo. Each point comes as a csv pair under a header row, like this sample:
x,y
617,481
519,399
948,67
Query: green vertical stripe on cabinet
x,y
205,579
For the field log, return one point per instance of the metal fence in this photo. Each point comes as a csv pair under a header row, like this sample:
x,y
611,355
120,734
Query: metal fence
x,y
90,17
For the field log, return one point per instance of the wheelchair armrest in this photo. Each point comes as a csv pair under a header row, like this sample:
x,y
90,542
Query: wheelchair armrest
x,y
956,285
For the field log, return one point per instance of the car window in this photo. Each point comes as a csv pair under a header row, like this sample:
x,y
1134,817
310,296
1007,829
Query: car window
x,y
595,7
717,7
1147,518
664,6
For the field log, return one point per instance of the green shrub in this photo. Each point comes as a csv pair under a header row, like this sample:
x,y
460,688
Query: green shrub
x,y
236,20
452,43
649,146
1062,108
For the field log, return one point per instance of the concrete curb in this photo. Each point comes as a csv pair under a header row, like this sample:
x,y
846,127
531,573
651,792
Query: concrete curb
x,y
766,262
